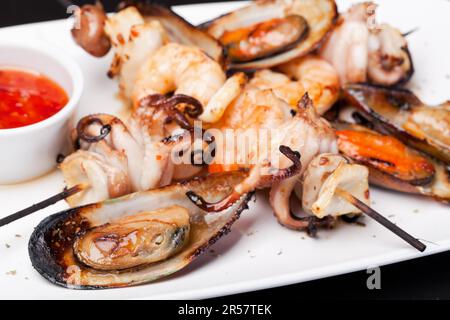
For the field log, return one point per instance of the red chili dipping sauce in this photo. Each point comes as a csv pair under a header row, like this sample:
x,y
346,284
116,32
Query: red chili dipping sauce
x,y
27,98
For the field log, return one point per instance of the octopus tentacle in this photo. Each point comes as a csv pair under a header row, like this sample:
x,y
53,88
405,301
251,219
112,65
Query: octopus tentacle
x,y
311,223
192,107
87,121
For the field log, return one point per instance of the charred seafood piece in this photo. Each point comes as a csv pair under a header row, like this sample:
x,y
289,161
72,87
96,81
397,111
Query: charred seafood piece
x,y
96,32
89,33
400,113
392,164
324,175
178,29
270,32
135,239
362,50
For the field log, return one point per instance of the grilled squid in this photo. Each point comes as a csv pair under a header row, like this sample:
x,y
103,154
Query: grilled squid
x,y
310,135
117,158
324,174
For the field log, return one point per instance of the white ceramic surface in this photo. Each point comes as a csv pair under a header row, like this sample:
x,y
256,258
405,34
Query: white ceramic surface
x,y
31,151
258,253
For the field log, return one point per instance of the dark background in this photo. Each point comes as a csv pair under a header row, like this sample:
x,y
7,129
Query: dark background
x,y
425,278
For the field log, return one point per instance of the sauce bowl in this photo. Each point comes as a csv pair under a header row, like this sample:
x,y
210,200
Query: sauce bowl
x,y
31,151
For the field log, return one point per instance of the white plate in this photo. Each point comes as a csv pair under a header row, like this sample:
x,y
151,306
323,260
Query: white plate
x,y
258,253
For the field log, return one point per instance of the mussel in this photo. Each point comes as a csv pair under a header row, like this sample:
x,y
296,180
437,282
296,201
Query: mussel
x,y
269,32
392,164
399,112
134,239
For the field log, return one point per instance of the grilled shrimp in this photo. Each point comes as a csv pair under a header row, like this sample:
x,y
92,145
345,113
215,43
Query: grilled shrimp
x,y
310,74
143,41
256,109
189,71
319,78
281,85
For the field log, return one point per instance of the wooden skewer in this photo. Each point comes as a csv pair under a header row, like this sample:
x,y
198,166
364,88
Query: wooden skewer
x,y
381,219
41,205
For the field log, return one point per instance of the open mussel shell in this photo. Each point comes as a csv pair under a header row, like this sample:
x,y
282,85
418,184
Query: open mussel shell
x,y
180,30
134,239
264,39
400,113
320,17
393,165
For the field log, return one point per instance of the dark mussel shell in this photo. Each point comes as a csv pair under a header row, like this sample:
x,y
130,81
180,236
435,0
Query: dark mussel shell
x,y
320,16
400,113
52,242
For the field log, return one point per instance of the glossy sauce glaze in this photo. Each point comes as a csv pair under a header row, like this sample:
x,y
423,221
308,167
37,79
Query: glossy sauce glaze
x,y
27,97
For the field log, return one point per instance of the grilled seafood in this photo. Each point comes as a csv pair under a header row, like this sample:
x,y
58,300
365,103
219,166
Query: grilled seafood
x,y
392,164
400,113
135,239
362,52
264,39
267,33
97,32
144,40
178,29
309,74
324,174
310,135
189,71
317,77
115,159
90,33
305,133
282,86
173,73
145,36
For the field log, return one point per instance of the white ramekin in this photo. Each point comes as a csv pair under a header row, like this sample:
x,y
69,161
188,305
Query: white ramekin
x,y
31,151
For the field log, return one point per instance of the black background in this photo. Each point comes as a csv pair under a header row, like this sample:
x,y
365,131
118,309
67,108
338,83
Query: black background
x,y
425,278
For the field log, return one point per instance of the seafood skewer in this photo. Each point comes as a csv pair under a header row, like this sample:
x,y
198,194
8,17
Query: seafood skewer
x,y
142,235
324,174
153,56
